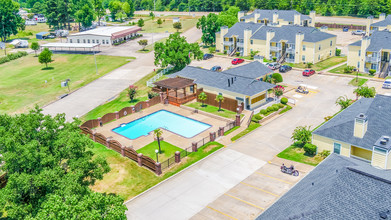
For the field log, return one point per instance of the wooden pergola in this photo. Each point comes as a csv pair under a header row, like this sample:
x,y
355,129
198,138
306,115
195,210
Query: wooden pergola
x,y
175,90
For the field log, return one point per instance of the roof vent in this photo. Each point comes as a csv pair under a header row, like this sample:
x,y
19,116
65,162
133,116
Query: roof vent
x,y
383,215
312,183
386,138
383,142
229,83
336,171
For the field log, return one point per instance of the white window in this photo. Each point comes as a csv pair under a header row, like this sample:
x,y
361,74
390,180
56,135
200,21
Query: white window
x,y
303,58
88,40
70,41
78,40
330,52
251,41
84,40
337,148
358,64
303,47
107,41
331,43
93,41
359,52
97,41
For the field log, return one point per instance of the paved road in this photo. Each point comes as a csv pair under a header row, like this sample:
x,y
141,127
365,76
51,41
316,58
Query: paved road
x,y
189,192
96,93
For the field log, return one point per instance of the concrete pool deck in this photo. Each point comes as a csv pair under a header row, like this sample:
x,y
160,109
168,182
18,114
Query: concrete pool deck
x,y
168,136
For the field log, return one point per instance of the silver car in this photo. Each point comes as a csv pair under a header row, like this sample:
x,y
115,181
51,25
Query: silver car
x,y
387,84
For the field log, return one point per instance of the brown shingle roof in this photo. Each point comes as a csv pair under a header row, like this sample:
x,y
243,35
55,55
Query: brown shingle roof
x,y
175,83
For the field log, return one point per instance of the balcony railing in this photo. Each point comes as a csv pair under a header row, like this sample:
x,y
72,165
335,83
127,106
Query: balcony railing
x,y
290,50
372,59
228,43
290,60
239,44
273,48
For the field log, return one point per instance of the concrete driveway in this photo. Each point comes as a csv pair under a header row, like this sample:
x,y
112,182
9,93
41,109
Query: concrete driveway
x,y
224,62
240,159
344,39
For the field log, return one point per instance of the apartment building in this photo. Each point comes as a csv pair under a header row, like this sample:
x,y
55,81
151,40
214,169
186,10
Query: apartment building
x,y
372,52
278,18
382,24
290,43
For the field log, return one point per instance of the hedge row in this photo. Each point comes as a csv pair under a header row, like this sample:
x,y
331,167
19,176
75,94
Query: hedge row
x,y
13,56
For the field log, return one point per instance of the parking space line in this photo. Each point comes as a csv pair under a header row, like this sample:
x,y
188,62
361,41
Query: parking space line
x,y
262,174
222,213
260,189
248,203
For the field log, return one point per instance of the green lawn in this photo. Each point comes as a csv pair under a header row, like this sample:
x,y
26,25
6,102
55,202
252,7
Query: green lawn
x,y
325,64
24,83
340,70
231,130
168,150
359,82
213,109
122,100
127,179
298,154
250,128
150,26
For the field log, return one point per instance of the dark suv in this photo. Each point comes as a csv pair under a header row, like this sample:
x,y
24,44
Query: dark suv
x,y
284,68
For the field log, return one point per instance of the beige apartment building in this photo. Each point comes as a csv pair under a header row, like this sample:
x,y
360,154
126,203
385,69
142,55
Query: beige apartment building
x,y
289,43
278,18
372,52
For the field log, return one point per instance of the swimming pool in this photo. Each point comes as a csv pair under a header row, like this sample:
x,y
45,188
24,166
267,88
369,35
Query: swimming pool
x,y
175,123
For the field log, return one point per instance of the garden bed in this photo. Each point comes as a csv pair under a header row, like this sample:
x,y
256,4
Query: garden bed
x,y
213,110
322,65
250,128
299,155
340,70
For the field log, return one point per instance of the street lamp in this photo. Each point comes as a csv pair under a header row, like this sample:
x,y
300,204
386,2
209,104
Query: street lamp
x,y
157,155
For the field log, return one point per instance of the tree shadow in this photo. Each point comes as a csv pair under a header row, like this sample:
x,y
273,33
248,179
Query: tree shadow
x,y
47,68
134,100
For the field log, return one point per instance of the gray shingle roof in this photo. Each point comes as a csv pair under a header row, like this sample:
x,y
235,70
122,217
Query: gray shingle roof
x,y
287,15
341,127
251,70
239,27
338,188
242,85
357,43
288,32
380,40
383,23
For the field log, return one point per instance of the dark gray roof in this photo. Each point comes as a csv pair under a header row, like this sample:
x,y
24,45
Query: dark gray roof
x,y
251,70
357,43
287,15
242,85
338,188
383,23
239,27
288,33
341,127
380,40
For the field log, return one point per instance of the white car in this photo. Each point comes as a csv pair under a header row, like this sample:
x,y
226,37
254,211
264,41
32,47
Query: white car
x,y
387,84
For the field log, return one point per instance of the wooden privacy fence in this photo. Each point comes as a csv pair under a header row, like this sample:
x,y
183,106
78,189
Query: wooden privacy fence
x,y
228,103
335,25
121,113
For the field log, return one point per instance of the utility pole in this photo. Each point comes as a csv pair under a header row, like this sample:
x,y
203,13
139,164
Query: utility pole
x,y
154,9
96,65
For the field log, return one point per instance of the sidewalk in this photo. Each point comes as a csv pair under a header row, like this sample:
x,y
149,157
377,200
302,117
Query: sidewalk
x,y
99,91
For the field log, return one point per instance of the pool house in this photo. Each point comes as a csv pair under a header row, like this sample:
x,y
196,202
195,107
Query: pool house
x,y
177,91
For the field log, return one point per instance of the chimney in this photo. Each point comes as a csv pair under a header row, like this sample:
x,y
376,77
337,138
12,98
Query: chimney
x,y
246,41
275,17
382,17
360,125
240,14
296,19
312,16
229,83
257,14
369,22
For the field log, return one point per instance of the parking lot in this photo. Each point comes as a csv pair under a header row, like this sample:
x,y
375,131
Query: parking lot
x,y
254,194
344,39
224,62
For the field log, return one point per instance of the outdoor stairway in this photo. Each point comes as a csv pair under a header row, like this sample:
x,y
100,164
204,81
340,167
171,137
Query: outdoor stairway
x,y
384,70
233,52
282,58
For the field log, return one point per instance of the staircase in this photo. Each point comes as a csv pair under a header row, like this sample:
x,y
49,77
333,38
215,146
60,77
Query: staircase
x,y
282,58
233,52
384,70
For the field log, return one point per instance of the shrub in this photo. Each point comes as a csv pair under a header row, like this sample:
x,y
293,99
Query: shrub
x,y
310,149
270,109
328,118
237,54
281,105
348,69
338,52
256,118
225,51
302,134
152,94
212,49
276,108
263,111
274,59
298,144
372,72
309,65
277,77
275,105
284,100
324,153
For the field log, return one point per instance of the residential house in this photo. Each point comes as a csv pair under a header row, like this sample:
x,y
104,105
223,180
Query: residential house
x,y
278,17
338,188
245,83
361,131
292,43
372,52
382,24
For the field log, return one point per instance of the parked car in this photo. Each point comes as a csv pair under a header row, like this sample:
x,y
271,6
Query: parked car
x,y
387,84
273,66
285,68
358,32
237,61
308,72
345,29
208,56
216,69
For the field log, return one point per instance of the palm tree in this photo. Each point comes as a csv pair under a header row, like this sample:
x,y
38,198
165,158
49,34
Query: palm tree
x,y
219,98
343,101
202,96
158,133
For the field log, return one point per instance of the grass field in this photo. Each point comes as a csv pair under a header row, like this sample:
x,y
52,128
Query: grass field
x,y
127,179
150,26
250,128
168,150
359,82
340,70
325,64
122,100
298,154
212,109
24,84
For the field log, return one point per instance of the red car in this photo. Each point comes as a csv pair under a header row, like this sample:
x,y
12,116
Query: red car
x,y
237,61
308,72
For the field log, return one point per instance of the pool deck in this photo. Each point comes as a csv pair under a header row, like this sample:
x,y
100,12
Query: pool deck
x,y
168,136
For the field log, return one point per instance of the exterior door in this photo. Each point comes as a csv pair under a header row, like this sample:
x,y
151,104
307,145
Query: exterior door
x,y
247,103
337,148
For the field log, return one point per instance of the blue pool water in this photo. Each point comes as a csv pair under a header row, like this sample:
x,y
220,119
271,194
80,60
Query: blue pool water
x,y
175,123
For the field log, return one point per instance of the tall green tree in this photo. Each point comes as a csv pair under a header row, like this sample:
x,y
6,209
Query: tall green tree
x,y
229,17
177,26
45,57
131,7
51,13
99,10
176,51
85,16
209,25
10,21
35,46
50,168
115,7
140,23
